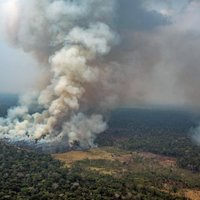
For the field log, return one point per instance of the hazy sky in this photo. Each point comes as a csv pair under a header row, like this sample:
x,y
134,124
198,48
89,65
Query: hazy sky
x,y
18,71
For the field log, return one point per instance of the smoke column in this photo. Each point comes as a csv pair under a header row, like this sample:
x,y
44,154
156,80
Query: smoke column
x,y
70,39
96,55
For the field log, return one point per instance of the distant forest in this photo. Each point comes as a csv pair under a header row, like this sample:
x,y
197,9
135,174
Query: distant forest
x,y
166,132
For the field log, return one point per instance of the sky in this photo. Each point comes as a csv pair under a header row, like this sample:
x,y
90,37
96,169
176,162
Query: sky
x,y
18,71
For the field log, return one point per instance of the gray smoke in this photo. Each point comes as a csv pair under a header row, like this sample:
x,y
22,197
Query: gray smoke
x,y
162,58
68,37
96,55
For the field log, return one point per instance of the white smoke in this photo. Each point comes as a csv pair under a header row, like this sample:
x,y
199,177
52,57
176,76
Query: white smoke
x,y
68,37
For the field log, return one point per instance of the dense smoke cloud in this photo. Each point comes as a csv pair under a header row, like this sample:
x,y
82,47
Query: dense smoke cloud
x,y
133,16
68,37
161,60
96,55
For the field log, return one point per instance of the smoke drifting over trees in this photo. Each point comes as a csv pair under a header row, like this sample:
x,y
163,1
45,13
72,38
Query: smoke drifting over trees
x,y
96,55
67,37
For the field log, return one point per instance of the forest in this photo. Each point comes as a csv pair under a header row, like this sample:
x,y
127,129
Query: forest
x,y
151,156
166,132
28,175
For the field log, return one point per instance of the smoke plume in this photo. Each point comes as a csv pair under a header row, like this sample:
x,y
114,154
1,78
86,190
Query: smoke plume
x,y
96,55
70,40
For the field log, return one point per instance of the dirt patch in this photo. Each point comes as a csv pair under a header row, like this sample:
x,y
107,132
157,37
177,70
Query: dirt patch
x,y
165,161
93,154
192,194
113,154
